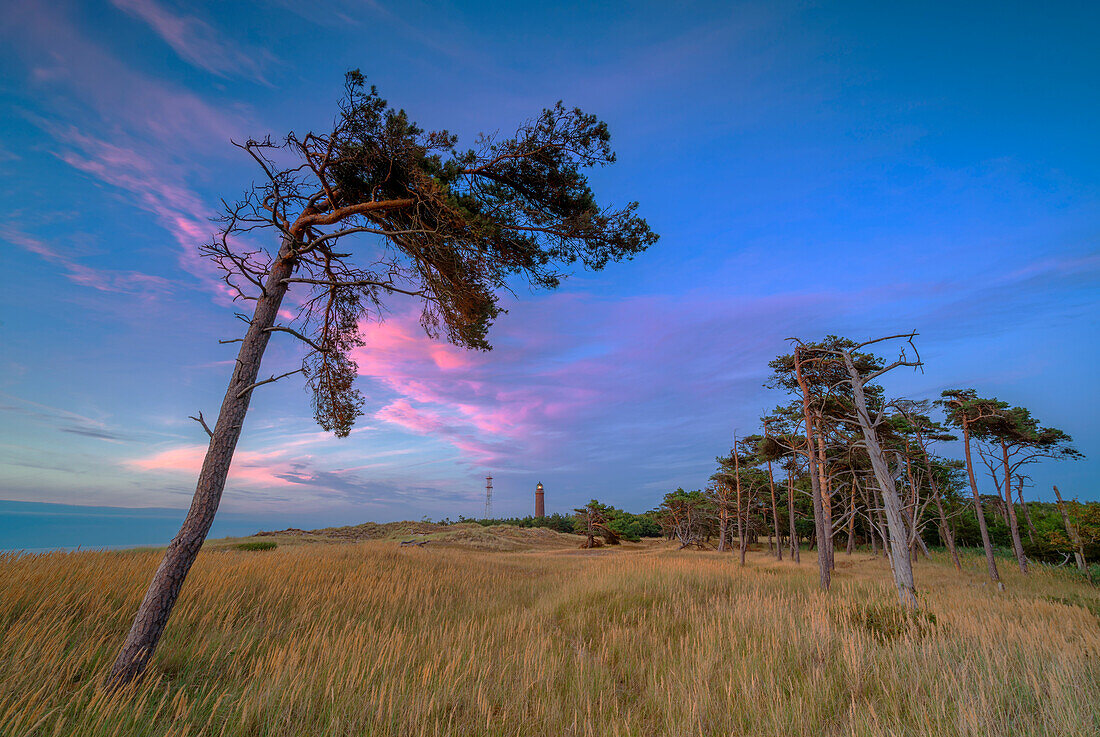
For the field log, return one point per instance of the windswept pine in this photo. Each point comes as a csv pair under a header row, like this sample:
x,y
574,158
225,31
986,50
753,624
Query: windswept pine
x,y
374,211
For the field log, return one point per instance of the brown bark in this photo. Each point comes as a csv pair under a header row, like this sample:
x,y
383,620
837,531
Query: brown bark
x,y
343,213
825,571
155,609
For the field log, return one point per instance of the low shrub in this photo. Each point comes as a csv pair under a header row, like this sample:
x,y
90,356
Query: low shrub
x,y
258,545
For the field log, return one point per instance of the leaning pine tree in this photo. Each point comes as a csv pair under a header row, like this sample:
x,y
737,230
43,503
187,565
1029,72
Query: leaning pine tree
x,y
423,220
862,369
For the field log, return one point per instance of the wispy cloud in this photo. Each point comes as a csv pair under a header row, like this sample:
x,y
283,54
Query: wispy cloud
x,y
60,419
140,136
105,280
286,476
198,42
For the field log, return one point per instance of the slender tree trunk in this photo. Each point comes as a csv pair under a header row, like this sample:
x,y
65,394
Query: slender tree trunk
x,y
723,526
881,526
914,514
895,524
1071,530
740,513
1013,525
945,527
825,571
768,537
775,514
991,562
945,530
156,608
871,525
790,517
826,498
851,546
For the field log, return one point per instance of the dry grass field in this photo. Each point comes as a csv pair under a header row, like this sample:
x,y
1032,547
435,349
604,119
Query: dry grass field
x,y
367,638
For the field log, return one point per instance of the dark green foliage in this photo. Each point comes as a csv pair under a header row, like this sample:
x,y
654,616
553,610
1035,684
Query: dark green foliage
x,y
379,207
556,522
627,525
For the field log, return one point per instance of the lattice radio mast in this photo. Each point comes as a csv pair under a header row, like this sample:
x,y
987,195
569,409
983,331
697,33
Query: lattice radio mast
x,y
488,497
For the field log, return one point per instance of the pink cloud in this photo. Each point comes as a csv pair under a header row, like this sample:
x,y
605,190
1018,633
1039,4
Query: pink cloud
x,y
485,405
249,467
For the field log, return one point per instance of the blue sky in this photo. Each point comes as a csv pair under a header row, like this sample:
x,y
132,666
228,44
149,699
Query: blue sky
x,y
812,168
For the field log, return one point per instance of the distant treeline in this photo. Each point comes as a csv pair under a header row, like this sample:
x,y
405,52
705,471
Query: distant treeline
x,y
626,525
1045,538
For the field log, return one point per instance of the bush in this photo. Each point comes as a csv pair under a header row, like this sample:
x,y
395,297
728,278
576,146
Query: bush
x,y
258,545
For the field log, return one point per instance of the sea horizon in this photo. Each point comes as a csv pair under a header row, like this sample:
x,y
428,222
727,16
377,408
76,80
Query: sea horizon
x,y
41,527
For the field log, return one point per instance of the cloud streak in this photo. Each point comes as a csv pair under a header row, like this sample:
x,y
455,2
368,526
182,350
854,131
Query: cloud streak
x,y
139,136
104,280
199,43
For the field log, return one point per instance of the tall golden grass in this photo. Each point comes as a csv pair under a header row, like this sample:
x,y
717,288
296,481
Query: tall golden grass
x,y
369,639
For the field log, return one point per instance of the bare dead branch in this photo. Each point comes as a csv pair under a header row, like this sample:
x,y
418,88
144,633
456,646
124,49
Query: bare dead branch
x,y
202,422
250,387
296,334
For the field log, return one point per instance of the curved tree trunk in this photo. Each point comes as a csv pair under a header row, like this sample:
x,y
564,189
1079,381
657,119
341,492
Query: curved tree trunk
x,y
991,562
156,608
895,523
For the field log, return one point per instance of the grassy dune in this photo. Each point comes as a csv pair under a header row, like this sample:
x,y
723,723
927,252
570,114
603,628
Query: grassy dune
x,y
365,638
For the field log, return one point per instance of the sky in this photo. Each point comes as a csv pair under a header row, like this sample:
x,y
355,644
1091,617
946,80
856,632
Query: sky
x,y
812,168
